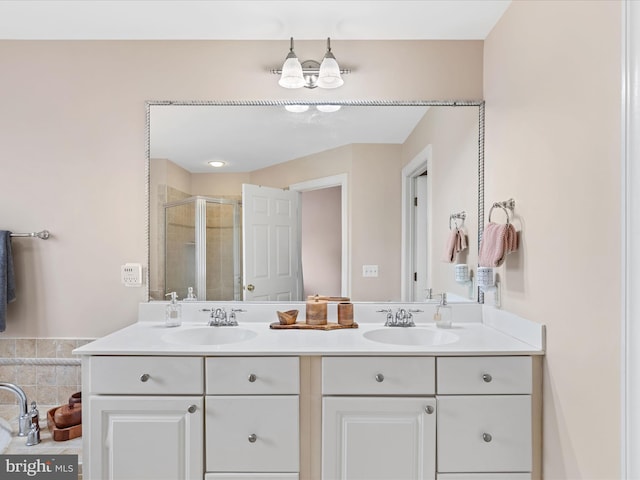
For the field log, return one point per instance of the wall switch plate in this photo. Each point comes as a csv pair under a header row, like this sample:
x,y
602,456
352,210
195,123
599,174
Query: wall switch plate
x,y
131,274
370,270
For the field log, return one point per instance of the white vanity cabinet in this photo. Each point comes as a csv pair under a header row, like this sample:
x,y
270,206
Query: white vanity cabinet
x,y
378,418
485,418
415,418
144,419
252,418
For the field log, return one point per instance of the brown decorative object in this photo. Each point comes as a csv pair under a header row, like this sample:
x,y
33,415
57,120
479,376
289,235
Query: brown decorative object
x,y
306,326
345,313
62,434
68,415
316,311
75,398
287,318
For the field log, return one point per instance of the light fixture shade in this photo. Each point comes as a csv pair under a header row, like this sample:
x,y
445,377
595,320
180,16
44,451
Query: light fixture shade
x,y
291,76
326,108
296,108
329,75
291,73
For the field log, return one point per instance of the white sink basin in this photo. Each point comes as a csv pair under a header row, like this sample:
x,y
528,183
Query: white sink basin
x,y
411,336
208,335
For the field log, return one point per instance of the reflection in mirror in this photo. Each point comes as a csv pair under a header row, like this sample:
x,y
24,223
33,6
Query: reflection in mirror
x,y
355,202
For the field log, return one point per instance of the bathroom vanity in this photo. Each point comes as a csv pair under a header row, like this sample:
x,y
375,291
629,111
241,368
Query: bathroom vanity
x,y
199,402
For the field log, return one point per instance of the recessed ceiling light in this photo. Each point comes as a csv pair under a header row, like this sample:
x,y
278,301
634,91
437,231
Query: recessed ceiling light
x,y
296,108
217,163
328,108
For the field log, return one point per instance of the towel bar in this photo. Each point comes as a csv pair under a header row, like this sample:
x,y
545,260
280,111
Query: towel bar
x,y
43,235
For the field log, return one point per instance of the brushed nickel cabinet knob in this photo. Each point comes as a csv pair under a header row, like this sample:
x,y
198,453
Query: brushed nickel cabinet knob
x,y
252,438
379,377
487,378
145,377
252,377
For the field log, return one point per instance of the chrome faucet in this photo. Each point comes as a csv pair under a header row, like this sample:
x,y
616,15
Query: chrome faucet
x,y
402,318
24,420
219,317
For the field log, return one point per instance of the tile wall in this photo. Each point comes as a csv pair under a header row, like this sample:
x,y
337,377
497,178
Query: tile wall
x,y
46,384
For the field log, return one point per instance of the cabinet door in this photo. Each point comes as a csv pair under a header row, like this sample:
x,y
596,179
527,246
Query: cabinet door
x,y
146,438
376,438
256,433
484,433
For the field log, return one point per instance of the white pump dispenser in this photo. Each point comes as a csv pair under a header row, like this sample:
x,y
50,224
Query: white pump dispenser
x,y
173,312
444,314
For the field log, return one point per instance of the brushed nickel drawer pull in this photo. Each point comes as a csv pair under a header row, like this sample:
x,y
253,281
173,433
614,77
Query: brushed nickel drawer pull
x,y
379,377
487,378
429,409
487,437
252,438
252,378
145,377
192,409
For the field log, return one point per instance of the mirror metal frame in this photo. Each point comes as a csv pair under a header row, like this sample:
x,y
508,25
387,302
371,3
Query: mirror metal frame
x,y
354,103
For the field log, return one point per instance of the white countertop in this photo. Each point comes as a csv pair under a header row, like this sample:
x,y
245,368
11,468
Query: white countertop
x,y
153,338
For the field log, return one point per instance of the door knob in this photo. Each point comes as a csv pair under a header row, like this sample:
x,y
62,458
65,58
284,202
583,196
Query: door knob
x,y
251,288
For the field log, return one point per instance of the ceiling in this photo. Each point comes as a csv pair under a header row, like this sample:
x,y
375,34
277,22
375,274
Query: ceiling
x,y
249,20
193,136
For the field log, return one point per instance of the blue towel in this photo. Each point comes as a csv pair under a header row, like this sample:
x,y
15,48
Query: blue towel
x,y
7,282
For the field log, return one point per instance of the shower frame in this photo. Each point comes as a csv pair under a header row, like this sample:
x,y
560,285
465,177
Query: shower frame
x,y
200,225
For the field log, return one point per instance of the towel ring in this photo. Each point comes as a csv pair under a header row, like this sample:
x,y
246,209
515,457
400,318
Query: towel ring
x,y
499,205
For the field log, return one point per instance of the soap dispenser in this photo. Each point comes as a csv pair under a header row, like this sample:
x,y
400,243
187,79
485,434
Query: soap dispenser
x,y
444,314
191,297
173,312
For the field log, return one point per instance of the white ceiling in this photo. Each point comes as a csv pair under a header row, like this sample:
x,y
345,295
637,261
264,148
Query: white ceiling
x,y
192,136
249,20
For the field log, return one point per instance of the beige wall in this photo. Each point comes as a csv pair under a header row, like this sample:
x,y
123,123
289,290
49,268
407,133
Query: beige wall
x,y
452,134
72,144
552,91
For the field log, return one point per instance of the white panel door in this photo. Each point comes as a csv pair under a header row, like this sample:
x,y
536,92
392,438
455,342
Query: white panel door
x,y
378,438
270,243
146,438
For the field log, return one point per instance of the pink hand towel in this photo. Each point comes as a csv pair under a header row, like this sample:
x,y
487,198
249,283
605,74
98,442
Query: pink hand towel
x,y
497,242
456,243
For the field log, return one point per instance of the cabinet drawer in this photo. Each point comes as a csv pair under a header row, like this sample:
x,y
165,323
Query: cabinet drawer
x,y
378,376
252,433
146,375
251,476
484,375
252,375
484,476
488,433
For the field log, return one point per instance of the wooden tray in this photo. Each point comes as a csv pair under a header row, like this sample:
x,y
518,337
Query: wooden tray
x,y
306,326
62,434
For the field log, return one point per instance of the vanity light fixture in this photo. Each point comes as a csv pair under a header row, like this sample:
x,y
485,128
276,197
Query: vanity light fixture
x,y
217,163
310,74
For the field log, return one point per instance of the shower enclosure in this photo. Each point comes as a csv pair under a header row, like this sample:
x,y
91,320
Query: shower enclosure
x,y
202,248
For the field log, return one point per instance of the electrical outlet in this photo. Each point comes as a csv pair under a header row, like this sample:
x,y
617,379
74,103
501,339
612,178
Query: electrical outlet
x,y
131,274
370,270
